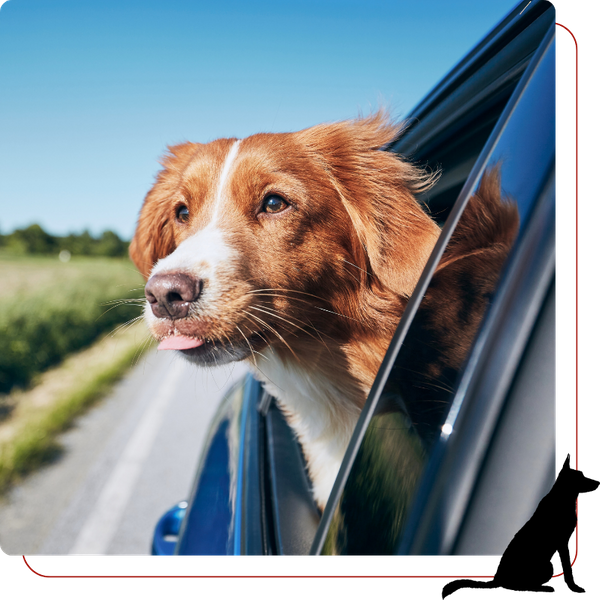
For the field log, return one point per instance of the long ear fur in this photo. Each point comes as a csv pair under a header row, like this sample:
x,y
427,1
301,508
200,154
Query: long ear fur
x,y
153,237
378,191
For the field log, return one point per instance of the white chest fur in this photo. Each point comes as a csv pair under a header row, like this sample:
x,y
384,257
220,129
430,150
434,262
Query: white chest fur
x,y
321,409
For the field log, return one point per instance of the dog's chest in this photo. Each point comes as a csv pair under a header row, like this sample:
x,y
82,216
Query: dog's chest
x,y
322,411
294,388
319,399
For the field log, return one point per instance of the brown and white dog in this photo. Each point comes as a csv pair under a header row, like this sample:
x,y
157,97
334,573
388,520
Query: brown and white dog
x,y
296,252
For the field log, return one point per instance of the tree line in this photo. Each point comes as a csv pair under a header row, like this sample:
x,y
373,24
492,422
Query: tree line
x,y
34,240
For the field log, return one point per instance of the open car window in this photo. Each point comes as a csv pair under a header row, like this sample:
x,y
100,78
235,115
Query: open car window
x,y
450,368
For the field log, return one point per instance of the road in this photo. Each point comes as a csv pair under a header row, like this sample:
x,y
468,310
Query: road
x,y
123,463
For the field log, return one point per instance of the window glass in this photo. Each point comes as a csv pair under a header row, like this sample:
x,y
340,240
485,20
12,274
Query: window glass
x,y
396,447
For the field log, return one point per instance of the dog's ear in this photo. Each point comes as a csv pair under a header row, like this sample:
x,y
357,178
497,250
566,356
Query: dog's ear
x,y
377,189
567,464
153,238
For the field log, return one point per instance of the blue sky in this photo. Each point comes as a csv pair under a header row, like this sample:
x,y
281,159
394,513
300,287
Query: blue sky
x,y
92,92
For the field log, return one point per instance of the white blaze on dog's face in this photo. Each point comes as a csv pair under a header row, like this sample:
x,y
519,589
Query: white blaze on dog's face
x,y
206,253
269,239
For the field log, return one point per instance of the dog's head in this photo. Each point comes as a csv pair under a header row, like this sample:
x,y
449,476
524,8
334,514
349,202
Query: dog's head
x,y
279,237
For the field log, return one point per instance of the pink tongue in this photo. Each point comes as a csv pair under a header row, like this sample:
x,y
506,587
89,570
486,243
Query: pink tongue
x,y
179,342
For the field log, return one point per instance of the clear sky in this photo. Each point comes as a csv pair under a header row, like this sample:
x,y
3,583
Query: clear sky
x,y
91,92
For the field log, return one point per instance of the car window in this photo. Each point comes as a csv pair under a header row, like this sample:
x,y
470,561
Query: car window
x,y
452,124
430,360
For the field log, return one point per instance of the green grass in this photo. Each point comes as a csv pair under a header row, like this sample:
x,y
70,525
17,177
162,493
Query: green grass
x,y
49,309
28,438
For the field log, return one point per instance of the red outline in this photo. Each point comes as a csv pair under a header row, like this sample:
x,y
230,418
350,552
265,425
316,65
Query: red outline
x,y
576,44
32,570
38,574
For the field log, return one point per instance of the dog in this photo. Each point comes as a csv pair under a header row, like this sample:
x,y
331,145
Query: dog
x,y
295,252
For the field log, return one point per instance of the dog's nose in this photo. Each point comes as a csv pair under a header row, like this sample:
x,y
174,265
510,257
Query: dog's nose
x,y
170,294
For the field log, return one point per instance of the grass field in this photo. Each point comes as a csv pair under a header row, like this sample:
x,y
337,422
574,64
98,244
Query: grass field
x,y
38,415
62,345
50,309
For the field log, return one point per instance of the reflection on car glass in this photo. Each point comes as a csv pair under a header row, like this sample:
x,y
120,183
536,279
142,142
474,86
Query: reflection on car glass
x,y
426,370
414,402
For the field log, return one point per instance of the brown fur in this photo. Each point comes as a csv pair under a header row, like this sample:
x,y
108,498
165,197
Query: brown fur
x,y
354,245
323,284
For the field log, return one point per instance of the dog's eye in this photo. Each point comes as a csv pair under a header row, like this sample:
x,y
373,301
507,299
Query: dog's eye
x,y
274,204
182,214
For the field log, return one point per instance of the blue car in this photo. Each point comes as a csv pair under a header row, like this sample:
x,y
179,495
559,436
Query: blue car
x,y
435,453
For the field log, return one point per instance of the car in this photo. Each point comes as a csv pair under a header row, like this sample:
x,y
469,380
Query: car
x,y
441,462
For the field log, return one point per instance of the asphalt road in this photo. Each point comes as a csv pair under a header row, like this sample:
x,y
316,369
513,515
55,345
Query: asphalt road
x,y
124,463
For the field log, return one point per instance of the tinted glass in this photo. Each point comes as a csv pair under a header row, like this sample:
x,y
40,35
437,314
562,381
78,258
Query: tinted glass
x,y
377,497
209,524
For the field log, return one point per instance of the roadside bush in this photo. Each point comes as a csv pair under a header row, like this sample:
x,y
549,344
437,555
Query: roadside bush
x,y
42,325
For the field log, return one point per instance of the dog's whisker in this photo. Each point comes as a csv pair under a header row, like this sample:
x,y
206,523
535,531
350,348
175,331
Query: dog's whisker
x,y
317,307
319,333
111,308
141,349
265,340
298,300
212,354
292,331
301,325
338,314
269,295
259,320
252,351
123,326
230,345
115,305
291,292
298,323
352,275
271,327
260,354
426,379
349,263
124,301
